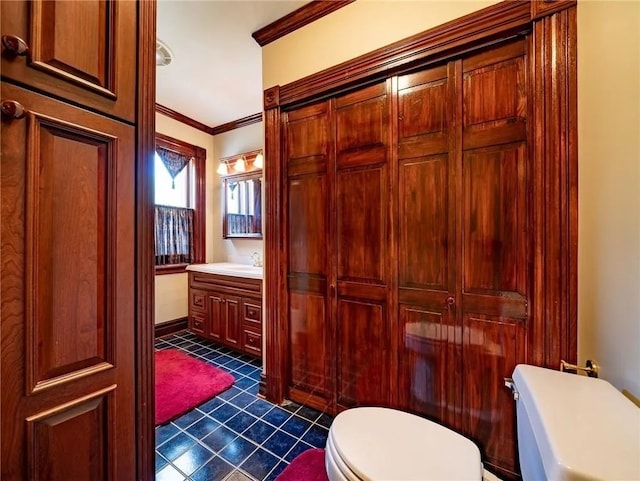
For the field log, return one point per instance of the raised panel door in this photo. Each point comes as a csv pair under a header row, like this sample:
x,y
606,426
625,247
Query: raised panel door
x,y
216,324
363,354
83,51
361,202
495,236
429,333
307,135
67,293
232,321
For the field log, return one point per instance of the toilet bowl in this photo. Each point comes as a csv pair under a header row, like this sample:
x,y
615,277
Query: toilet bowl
x,y
372,443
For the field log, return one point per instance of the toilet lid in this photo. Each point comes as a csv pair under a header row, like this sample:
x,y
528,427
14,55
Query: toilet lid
x,y
385,444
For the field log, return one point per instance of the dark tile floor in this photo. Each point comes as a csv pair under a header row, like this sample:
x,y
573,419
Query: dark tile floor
x,y
235,436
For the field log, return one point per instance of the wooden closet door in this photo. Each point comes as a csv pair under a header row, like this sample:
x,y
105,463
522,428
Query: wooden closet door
x,y
362,272
67,293
307,139
430,336
495,243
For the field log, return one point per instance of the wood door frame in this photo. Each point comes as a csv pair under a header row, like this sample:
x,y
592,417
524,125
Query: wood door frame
x,y
144,255
552,69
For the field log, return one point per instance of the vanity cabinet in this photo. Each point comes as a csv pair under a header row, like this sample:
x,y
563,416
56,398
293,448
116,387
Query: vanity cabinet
x,y
227,310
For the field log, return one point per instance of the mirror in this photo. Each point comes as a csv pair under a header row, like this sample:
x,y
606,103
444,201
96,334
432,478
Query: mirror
x,y
242,211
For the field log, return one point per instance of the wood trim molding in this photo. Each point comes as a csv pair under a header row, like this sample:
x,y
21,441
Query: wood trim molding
x,y
272,97
236,124
304,15
554,77
144,255
472,30
542,8
220,129
273,370
170,327
172,114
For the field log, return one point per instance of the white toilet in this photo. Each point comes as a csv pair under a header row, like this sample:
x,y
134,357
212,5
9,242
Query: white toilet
x,y
569,428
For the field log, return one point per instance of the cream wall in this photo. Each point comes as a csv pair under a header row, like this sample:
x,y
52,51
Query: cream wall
x,y
356,29
231,143
171,290
609,189
609,157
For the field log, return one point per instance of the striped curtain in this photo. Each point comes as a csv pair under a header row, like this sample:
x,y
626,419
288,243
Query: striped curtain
x,y
173,235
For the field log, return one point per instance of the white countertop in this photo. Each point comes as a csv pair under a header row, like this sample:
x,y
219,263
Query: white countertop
x,y
228,269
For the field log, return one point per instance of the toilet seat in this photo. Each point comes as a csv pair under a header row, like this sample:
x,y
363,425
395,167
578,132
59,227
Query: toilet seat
x,y
375,444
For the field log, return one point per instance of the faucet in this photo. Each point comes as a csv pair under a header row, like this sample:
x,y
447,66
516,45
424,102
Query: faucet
x,y
257,260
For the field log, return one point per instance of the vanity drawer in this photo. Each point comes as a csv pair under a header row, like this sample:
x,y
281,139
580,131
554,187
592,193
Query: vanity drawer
x,y
252,313
252,342
198,299
196,323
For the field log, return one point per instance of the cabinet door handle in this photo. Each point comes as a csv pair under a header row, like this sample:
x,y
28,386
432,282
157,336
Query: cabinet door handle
x,y
451,301
13,110
14,46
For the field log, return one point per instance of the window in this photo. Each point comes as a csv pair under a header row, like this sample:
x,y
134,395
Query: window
x,y
179,179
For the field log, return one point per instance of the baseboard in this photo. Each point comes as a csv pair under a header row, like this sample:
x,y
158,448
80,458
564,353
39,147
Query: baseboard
x,y
170,327
262,387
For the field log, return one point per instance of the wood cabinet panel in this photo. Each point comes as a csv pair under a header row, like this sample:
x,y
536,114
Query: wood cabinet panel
x,y
424,222
422,103
492,349
252,313
80,51
308,225
216,316
309,344
78,431
495,220
70,168
67,291
232,321
197,299
429,363
363,354
198,322
308,132
362,231
252,342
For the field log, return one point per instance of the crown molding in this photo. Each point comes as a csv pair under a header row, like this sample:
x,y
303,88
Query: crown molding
x,y
306,14
161,109
236,124
220,129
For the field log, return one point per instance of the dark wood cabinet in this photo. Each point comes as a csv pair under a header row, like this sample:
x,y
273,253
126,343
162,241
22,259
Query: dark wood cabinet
x,y
73,262
407,241
83,52
227,310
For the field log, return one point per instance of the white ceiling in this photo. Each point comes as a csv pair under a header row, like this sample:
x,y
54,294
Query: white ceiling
x,y
216,73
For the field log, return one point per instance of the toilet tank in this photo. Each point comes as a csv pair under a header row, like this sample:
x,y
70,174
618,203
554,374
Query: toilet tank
x,y
574,428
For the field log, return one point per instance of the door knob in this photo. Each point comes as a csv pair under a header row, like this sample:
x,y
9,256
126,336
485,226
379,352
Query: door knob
x,y
14,46
13,110
451,301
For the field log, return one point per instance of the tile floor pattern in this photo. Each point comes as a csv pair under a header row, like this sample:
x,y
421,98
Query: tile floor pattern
x,y
235,436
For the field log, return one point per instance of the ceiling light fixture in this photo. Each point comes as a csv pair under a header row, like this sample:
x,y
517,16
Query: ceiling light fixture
x,y
259,161
164,56
240,165
223,169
